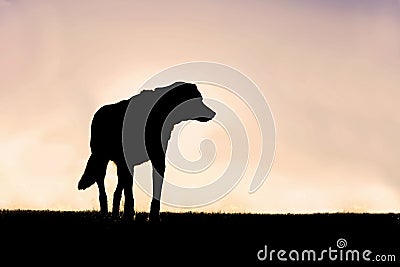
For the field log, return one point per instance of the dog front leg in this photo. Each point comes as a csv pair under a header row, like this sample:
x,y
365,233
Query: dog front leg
x,y
158,179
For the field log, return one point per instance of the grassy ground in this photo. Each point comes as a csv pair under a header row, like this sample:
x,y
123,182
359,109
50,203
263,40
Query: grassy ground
x,y
87,237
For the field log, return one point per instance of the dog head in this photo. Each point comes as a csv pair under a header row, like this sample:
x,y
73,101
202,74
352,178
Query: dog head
x,y
186,103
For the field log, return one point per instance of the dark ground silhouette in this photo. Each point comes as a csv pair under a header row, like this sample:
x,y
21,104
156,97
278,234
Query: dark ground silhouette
x,y
87,238
150,118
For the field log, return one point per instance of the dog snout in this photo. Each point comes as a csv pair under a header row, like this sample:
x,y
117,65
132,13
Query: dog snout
x,y
206,114
211,114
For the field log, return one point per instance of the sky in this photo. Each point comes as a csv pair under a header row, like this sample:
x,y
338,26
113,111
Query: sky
x,y
330,71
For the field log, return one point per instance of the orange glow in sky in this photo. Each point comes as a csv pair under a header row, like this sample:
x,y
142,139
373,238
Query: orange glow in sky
x,y
330,71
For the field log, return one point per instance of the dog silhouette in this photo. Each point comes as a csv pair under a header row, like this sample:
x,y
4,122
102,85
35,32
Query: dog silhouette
x,y
143,124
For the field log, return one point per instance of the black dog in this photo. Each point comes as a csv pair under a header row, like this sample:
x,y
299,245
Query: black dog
x,y
150,119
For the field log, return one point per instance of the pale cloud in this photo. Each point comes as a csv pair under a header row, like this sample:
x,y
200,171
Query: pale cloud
x,y
330,78
4,3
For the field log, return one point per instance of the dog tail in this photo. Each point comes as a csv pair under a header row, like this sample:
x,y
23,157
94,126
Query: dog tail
x,y
95,171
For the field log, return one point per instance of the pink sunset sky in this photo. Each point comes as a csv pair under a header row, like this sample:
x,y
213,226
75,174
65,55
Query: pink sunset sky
x,y
330,71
